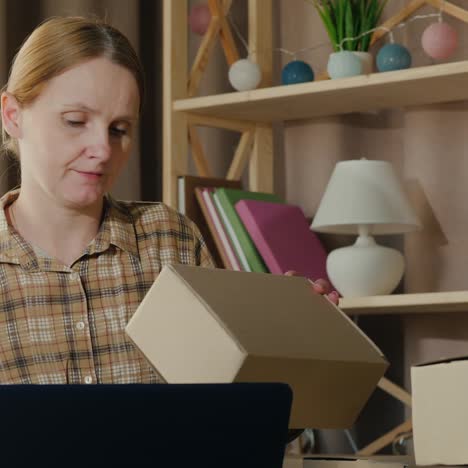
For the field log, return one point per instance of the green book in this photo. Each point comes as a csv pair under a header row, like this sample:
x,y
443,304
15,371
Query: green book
x,y
227,199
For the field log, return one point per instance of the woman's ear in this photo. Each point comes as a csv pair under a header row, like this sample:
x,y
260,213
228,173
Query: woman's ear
x,y
11,112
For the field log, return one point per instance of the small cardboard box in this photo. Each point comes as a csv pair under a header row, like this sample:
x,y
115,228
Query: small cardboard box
x,y
328,461
440,412
200,325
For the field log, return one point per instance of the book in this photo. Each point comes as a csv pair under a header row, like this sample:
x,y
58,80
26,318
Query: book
x,y
283,237
244,245
189,206
215,225
232,235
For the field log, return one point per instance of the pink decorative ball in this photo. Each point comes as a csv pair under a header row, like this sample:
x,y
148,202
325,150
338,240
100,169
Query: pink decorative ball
x,y
439,40
199,18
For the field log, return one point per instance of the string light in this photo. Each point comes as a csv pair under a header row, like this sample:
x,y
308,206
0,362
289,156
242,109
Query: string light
x,y
248,68
238,33
298,52
388,30
244,74
439,40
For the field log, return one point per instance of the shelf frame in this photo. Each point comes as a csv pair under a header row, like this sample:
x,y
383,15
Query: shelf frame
x,y
180,134
431,84
415,303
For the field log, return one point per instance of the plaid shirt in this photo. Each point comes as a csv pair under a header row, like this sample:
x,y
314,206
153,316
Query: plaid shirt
x,y
61,324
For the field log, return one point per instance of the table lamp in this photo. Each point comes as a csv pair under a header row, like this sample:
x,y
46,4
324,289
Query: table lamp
x,y
364,197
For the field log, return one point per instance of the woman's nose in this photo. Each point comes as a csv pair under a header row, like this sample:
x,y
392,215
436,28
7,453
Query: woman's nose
x,y
101,146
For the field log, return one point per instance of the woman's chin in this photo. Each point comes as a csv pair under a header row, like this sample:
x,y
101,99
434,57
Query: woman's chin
x,y
84,199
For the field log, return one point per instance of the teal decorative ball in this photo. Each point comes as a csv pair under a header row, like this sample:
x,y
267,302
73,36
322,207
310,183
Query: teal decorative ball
x,y
393,57
296,71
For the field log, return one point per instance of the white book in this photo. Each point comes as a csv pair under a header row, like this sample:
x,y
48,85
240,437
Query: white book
x,y
181,195
207,196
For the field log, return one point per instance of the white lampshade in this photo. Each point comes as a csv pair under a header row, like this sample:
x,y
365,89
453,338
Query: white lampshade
x,y
364,192
365,197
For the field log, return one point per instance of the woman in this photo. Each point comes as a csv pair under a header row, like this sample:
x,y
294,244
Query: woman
x,y
74,263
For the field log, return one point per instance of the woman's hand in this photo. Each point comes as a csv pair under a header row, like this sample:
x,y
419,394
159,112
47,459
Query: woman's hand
x,y
320,286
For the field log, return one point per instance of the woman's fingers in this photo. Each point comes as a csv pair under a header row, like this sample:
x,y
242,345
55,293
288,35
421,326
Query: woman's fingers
x,y
320,286
323,285
334,297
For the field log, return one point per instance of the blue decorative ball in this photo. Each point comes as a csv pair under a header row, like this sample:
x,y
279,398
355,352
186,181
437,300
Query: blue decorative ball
x,y
296,72
393,57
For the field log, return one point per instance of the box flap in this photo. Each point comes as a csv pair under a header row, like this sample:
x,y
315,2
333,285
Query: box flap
x,y
345,461
183,349
257,309
440,406
441,361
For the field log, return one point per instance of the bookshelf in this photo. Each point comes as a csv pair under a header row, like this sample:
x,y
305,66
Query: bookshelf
x,y
420,303
253,112
415,86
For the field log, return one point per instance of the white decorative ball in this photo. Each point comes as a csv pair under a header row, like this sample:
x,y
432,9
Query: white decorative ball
x,y
244,75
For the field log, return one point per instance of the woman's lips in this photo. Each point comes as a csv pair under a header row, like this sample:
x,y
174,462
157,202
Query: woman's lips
x,y
90,175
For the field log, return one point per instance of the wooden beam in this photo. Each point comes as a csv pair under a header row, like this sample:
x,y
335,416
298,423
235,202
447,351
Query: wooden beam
x,y
204,51
227,39
386,439
260,13
450,9
203,55
261,161
241,156
198,155
216,122
261,38
175,53
395,391
396,19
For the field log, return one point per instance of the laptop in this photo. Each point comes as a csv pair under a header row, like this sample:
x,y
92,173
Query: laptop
x,y
139,425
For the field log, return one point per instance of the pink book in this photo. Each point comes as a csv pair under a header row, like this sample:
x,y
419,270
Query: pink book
x,y
283,237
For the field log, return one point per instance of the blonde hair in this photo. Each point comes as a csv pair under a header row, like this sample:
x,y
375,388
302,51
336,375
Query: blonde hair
x,y
60,43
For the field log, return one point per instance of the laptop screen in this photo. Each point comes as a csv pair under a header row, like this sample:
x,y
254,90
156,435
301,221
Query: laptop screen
x,y
165,425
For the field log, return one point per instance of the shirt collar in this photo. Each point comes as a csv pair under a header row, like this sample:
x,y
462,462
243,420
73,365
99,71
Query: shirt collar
x,y
117,228
13,249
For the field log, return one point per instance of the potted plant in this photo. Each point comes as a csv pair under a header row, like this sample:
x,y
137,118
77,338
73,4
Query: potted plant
x,y
347,23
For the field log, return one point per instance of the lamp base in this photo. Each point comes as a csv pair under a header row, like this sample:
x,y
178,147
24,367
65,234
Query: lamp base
x,y
365,268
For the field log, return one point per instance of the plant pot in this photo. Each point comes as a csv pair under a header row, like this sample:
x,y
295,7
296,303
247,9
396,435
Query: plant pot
x,y
367,61
343,64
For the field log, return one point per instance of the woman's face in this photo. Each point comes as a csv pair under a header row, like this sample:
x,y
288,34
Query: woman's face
x,y
76,136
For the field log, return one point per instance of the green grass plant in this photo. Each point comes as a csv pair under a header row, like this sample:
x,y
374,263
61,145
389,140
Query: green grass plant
x,y
349,19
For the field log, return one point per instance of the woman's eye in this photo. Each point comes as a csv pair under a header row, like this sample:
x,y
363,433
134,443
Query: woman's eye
x,y
75,123
116,131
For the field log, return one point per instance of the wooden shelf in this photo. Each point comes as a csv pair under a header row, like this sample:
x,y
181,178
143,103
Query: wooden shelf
x,y
415,86
439,302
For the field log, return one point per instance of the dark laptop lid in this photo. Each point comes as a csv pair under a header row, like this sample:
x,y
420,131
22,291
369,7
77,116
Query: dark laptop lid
x,y
165,425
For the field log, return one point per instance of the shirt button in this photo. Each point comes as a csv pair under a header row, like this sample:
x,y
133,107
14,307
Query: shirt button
x,y
88,379
74,276
80,326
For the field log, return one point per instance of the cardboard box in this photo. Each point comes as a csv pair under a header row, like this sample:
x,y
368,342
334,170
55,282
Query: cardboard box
x,y
327,461
440,412
200,325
